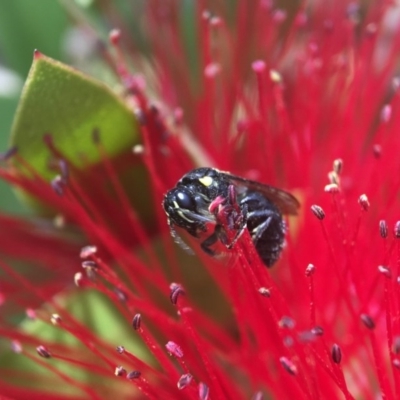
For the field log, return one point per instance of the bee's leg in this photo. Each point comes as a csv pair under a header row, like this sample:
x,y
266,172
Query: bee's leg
x,y
269,215
178,240
207,243
242,226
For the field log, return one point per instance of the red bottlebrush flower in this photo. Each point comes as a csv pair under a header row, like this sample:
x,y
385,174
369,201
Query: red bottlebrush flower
x,y
303,99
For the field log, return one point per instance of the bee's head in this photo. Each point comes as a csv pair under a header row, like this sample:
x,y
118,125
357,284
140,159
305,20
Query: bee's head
x,y
185,209
207,182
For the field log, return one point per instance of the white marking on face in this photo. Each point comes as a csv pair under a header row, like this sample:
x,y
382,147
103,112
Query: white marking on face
x,y
182,215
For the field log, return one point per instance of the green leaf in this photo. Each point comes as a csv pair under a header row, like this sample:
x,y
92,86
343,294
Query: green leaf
x,y
8,203
69,105
25,25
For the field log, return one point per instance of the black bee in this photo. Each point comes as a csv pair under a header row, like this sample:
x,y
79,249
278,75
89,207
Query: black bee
x,y
194,203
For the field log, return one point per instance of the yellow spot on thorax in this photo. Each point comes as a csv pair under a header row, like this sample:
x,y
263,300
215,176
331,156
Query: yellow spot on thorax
x,y
206,181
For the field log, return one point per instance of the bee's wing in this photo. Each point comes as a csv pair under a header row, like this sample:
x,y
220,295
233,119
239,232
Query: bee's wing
x,y
286,202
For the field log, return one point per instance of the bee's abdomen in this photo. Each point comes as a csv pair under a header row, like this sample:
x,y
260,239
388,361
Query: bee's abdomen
x,y
266,226
269,246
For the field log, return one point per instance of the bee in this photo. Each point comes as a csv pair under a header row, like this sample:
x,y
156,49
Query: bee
x,y
198,197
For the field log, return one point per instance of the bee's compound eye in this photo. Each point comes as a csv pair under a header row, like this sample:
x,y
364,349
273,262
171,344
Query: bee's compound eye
x,y
185,201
